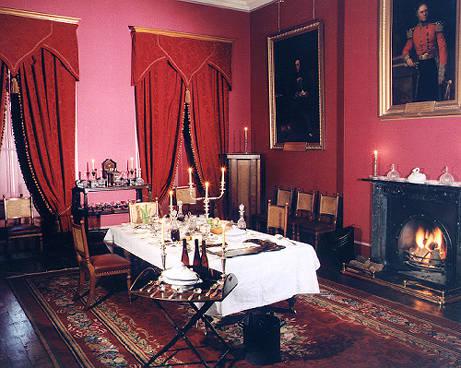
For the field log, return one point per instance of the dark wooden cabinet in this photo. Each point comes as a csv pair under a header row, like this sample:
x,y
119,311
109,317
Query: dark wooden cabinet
x,y
245,181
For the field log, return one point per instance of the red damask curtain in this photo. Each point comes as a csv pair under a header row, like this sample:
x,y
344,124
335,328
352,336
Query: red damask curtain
x,y
3,91
43,56
159,97
209,123
199,66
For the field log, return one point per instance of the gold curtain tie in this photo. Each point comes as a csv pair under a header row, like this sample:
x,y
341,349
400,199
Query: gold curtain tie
x,y
14,85
187,98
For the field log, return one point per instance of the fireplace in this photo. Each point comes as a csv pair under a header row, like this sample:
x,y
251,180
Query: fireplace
x,y
416,235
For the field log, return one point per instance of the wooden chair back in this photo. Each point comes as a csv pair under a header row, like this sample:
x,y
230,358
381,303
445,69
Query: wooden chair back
x,y
142,212
80,242
18,208
284,196
305,204
277,217
184,194
329,208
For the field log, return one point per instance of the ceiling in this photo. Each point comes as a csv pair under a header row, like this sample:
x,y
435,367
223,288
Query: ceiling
x,y
242,5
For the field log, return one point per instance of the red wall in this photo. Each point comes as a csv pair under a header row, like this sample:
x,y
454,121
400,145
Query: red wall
x,y
105,105
427,143
312,169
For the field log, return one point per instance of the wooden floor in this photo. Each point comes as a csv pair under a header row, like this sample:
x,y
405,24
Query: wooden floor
x,y
20,346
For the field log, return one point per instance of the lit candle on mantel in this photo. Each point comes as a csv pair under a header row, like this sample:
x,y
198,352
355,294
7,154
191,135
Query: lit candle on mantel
x,y
223,169
245,139
131,163
190,176
375,163
92,164
207,184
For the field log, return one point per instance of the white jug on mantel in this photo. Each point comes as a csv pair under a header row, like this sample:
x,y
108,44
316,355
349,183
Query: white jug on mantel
x,y
417,176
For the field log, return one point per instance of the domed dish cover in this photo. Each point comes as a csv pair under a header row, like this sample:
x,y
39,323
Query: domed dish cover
x,y
179,273
417,176
446,178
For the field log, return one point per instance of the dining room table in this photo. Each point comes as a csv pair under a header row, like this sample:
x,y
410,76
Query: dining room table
x,y
264,277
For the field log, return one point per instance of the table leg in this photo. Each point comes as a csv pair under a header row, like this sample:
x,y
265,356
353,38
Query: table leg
x,y
181,332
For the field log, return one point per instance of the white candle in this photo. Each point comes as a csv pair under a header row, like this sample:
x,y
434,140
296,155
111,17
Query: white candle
x,y
171,198
223,169
131,163
206,189
92,164
223,236
245,133
190,176
375,163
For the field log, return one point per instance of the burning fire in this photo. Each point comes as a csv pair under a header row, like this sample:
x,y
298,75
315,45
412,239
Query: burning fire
x,y
430,246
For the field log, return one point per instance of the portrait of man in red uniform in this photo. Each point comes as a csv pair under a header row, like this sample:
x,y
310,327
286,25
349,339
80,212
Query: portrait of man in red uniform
x,y
423,50
430,55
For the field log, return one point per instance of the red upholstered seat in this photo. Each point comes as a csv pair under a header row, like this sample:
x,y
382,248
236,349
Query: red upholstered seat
x,y
108,263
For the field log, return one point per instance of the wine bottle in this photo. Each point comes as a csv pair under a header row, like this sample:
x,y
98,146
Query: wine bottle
x,y
204,257
185,255
196,262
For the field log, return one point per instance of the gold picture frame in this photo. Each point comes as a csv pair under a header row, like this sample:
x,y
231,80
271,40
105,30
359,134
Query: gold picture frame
x,y
413,91
296,92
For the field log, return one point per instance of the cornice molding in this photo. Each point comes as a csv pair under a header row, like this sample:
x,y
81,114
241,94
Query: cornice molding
x,y
240,5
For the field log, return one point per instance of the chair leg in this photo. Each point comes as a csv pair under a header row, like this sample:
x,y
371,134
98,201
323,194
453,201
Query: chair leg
x,y
128,284
92,294
81,281
40,244
316,241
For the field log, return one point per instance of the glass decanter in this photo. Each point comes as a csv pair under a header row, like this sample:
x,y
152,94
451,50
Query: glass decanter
x,y
241,224
393,174
446,178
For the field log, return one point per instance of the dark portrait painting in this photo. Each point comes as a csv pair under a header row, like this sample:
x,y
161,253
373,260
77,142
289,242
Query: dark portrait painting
x,y
419,58
295,60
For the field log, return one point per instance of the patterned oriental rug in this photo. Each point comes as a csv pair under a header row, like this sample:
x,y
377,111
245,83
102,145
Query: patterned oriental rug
x,y
341,327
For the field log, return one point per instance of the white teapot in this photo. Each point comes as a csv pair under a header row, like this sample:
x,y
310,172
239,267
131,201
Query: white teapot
x,y
417,176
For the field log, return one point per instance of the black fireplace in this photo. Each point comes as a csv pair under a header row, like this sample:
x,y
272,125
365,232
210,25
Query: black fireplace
x,y
416,233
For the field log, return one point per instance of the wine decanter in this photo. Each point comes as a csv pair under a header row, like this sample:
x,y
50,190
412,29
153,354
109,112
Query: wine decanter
x,y
241,224
393,174
446,178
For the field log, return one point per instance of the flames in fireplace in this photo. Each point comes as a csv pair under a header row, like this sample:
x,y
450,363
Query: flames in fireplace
x,y
429,249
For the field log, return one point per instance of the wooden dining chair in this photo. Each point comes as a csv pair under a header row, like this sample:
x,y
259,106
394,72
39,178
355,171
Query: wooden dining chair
x,y
277,217
19,221
97,266
326,221
304,211
284,196
142,212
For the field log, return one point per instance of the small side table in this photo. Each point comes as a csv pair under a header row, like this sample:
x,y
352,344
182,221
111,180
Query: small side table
x,y
212,290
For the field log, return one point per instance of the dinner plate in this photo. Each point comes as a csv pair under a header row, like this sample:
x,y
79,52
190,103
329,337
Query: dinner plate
x,y
180,282
180,274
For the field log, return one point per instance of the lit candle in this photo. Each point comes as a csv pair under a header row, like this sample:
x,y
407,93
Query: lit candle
x,y
223,169
207,184
131,163
375,163
245,139
171,199
190,176
92,164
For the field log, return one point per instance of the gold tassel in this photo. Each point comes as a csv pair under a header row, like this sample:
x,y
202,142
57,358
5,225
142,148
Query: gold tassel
x,y
187,98
14,85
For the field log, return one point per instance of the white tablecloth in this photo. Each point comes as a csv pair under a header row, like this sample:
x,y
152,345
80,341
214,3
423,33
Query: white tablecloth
x,y
263,278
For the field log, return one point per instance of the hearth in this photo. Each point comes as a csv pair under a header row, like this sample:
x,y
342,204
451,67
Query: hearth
x,y
416,235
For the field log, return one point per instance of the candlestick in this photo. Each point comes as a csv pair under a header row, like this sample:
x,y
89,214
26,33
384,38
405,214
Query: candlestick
x,y
127,167
190,176
375,163
223,236
92,164
245,139
163,231
131,163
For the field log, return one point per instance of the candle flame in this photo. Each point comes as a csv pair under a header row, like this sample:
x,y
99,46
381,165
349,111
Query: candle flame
x,y
246,129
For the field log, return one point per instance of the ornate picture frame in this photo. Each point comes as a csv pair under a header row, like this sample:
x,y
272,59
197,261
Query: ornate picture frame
x,y
296,92
419,58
